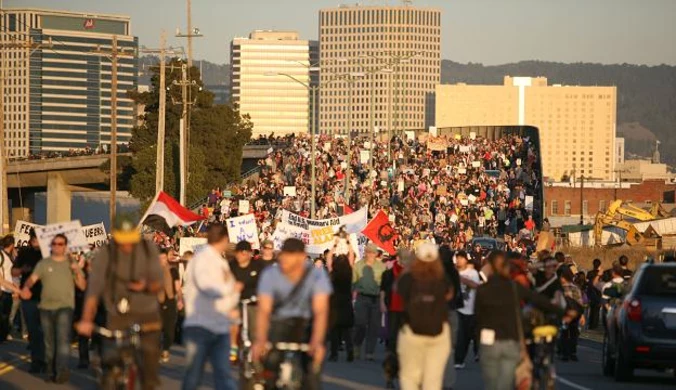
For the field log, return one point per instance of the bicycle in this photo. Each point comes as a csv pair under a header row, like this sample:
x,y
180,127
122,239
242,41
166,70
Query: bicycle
x,y
128,343
285,371
248,379
544,373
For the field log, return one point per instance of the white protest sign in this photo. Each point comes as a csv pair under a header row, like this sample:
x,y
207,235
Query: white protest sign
x,y
95,234
364,156
462,171
353,222
433,131
270,150
400,186
464,149
367,145
464,202
243,229
290,191
192,244
476,164
22,231
410,135
243,207
518,161
327,146
72,230
529,203
472,135
471,198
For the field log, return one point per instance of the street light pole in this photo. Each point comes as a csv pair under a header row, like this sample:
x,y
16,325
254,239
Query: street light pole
x,y
313,181
350,84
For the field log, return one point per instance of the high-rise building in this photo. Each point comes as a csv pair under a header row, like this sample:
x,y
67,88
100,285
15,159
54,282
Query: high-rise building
x,y
58,98
577,123
263,66
404,39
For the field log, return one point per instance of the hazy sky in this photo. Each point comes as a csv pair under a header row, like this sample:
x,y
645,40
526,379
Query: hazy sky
x,y
486,31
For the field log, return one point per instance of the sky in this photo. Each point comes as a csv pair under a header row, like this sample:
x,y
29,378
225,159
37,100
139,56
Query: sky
x,y
481,31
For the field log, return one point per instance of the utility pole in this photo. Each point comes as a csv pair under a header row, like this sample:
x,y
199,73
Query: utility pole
x,y
30,47
183,129
581,199
114,53
161,122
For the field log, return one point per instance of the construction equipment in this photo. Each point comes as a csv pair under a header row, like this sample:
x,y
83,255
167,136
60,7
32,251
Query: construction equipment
x,y
619,209
633,237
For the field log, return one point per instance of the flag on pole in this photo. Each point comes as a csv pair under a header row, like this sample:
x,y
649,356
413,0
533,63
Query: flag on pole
x,y
165,212
380,232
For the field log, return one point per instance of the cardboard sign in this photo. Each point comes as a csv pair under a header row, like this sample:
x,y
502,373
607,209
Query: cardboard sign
x,y
95,234
437,144
289,190
22,232
364,156
72,230
471,198
476,164
462,171
243,229
472,135
400,186
243,207
327,146
464,149
442,190
192,244
227,194
410,135
433,131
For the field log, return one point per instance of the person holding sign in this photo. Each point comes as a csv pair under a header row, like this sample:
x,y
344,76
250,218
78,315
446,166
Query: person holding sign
x,y
59,274
26,260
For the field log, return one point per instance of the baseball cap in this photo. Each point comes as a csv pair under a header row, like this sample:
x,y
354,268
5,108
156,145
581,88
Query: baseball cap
x,y
125,231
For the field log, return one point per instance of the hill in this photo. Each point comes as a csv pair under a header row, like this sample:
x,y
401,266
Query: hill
x,y
646,98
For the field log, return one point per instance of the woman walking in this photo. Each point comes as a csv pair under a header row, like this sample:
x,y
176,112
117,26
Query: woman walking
x,y
341,316
498,314
424,341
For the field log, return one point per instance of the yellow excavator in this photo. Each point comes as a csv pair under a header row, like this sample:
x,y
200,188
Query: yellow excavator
x,y
618,209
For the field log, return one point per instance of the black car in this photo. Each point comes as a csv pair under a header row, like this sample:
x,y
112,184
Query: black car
x,y
641,323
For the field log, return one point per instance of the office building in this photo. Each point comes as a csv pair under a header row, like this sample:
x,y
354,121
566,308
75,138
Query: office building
x,y
577,123
364,38
263,66
58,98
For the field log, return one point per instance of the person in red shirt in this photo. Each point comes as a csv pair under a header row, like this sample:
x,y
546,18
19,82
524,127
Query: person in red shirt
x,y
530,224
390,301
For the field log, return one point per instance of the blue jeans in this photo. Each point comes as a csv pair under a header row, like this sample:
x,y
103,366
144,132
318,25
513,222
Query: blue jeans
x,y
498,362
36,341
366,322
56,325
201,344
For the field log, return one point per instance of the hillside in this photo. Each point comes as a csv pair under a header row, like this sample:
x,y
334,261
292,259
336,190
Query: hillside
x,y
213,74
646,94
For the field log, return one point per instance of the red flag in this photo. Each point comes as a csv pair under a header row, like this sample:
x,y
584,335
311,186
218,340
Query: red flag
x,y
346,209
380,232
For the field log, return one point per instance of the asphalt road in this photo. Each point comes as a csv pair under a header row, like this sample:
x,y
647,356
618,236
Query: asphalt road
x,y
582,375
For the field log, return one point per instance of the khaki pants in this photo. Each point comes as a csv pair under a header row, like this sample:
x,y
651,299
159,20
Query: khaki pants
x,y
422,359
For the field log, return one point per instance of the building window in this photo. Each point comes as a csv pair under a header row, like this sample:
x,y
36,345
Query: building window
x,y
585,207
602,206
566,209
555,207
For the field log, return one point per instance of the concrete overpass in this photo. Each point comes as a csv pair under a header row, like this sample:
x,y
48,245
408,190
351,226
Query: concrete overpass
x,y
63,175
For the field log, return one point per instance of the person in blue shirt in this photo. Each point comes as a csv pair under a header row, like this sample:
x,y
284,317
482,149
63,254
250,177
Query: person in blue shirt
x,y
293,306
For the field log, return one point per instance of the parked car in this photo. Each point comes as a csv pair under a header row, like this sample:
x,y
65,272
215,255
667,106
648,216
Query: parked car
x,y
641,323
487,244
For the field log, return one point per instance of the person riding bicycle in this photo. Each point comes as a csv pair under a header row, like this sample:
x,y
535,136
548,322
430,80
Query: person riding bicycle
x,y
247,271
293,306
126,275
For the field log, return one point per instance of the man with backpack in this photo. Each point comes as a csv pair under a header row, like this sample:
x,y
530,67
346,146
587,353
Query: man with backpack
x,y
293,307
126,276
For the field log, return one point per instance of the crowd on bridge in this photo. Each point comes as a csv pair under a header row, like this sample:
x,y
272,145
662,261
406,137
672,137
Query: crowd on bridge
x,y
430,303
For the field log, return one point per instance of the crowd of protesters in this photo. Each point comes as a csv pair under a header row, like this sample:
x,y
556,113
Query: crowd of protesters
x,y
431,304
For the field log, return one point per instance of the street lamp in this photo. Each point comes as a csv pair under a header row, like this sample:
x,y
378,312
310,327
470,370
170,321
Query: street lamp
x,y
313,91
350,78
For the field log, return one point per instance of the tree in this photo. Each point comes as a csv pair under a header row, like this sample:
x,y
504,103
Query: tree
x,y
216,131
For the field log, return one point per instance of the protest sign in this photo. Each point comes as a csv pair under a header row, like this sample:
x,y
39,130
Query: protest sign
x,y
227,194
464,149
433,131
437,144
410,135
472,135
353,222
471,198
243,207
364,156
476,164
529,203
72,230
442,190
464,202
400,186
95,234
243,229
22,233
327,146
289,190
192,244
518,162
462,171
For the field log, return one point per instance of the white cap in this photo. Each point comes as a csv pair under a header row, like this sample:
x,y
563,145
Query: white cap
x,y
427,252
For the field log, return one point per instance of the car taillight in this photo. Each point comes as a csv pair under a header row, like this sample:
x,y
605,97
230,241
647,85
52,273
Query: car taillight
x,y
633,309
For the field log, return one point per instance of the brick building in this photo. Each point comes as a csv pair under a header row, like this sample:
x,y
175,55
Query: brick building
x,y
565,200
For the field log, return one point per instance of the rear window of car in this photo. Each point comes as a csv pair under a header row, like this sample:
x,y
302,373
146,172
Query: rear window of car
x,y
658,281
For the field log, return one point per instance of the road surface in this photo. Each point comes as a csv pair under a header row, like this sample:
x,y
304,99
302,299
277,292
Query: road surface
x,y
583,375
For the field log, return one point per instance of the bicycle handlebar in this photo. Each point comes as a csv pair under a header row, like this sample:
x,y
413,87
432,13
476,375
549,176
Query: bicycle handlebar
x,y
248,301
134,329
291,347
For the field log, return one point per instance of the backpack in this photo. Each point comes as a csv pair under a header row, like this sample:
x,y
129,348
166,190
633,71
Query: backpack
x,y
426,309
